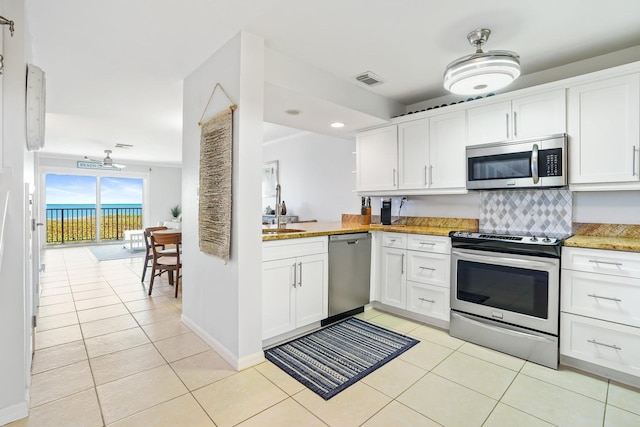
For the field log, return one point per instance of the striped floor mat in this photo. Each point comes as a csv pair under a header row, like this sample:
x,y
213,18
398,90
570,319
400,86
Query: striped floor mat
x,y
331,359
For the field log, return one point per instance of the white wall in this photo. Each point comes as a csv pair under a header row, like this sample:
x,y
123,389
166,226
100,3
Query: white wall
x,y
315,173
608,207
15,299
222,302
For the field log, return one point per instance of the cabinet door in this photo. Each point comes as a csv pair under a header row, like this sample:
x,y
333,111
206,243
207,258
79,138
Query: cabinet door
x,y
603,124
312,302
539,115
489,123
447,141
428,300
393,289
424,267
413,142
377,159
278,314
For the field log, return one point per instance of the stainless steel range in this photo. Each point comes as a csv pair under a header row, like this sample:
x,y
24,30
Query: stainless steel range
x,y
505,293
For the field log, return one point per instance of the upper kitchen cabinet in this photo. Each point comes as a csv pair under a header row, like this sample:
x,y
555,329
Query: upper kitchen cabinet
x,y
413,150
603,123
377,159
429,153
447,141
523,117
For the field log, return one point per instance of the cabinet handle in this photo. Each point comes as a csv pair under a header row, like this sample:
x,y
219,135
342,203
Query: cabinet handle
x,y
427,300
635,149
402,265
613,346
515,123
295,274
607,298
300,278
393,174
427,268
595,261
426,183
507,117
430,175
427,243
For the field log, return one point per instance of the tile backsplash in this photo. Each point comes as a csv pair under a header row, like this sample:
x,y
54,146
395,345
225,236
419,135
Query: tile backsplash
x,y
540,212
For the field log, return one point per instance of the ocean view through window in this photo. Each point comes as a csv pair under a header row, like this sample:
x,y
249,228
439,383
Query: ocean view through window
x,y
72,202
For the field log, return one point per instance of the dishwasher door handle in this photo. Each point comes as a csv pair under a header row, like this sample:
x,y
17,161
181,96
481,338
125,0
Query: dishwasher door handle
x,y
352,242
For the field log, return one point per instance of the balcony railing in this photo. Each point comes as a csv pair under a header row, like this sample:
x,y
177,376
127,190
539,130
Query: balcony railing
x,y
67,225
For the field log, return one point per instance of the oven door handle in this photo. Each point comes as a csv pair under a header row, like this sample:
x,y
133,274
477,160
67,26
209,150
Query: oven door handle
x,y
502,330
501,260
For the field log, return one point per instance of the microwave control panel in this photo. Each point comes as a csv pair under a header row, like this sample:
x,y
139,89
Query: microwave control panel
x,y
550,162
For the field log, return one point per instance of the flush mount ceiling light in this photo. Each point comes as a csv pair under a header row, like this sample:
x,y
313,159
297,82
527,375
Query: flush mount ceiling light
x,y
481,72
337,125
292,112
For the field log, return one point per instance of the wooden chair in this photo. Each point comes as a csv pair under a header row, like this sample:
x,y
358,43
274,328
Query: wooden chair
x,y
163,261
149,254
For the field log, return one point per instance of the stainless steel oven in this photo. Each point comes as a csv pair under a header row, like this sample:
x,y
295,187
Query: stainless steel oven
x,y
505,294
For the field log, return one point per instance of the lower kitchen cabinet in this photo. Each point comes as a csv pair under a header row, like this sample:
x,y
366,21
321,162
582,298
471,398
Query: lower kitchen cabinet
x,y
415,274
294,286
599,314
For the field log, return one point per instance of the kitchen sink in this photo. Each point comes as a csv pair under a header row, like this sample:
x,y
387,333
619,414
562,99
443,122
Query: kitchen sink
x,y
281,230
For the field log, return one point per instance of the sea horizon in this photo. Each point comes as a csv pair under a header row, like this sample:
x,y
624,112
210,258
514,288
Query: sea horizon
x,y
81,210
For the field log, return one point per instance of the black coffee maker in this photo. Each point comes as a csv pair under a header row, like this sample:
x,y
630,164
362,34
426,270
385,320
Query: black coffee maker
x,y
385,211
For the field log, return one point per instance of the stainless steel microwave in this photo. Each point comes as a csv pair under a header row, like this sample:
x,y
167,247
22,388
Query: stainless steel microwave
x,y
533,162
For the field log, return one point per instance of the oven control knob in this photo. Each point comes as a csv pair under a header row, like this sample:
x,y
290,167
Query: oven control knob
x,y
534,239
546,240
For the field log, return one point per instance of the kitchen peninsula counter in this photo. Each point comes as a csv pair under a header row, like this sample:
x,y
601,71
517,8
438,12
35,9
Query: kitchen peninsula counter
x,y
618,237
351,224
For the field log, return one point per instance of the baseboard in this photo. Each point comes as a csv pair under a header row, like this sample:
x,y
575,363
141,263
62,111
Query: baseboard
x,y
237,363
438,323
14,412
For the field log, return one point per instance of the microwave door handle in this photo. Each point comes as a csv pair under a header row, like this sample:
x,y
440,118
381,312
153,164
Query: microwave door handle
x,y
534,164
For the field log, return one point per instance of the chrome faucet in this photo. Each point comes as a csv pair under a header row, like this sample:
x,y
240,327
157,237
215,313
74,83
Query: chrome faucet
x,y
278,191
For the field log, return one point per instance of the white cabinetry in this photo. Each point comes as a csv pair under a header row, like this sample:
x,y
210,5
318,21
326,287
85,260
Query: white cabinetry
x,y
294,284
415,273
377,159
600,314
425,156
604,131
524,117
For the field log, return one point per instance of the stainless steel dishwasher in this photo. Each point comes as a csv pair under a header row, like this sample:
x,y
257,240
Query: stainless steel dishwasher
x,y
349,274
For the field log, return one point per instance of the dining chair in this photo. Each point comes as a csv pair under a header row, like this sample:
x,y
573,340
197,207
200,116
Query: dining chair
x,y
149,253
163,261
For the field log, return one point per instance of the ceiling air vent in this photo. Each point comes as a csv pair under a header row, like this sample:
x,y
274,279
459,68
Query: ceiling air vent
x,y
125,146
369,78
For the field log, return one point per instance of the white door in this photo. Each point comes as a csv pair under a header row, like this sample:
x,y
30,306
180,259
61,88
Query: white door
x,y
489,123
377,159
278,293
603,124
447,142
539,115
393,282
312,289
413,154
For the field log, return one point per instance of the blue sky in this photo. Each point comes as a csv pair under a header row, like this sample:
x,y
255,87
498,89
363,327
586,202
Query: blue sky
x,y
77,189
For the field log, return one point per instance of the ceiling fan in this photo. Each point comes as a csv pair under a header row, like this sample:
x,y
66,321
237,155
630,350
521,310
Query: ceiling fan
x,y
107,162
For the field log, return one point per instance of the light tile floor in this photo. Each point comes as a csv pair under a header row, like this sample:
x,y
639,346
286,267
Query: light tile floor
x,y
107,354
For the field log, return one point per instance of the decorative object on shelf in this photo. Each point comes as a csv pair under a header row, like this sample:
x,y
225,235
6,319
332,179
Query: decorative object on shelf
x,y
216,162
481,72
176,211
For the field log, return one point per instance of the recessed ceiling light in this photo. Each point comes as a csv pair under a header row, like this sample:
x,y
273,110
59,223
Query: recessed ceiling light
x,y
292,112
337,124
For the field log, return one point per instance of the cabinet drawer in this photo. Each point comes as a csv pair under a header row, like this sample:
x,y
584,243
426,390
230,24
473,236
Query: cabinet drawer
x,y
394,240
429,268
291,248
604,297
428,300
603,343
617,263
438,244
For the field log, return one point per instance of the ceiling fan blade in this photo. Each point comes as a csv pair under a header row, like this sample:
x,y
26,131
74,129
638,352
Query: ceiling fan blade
x,y
119,166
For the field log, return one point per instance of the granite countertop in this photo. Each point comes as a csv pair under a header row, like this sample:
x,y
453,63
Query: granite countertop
x,y
618,237
351,224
